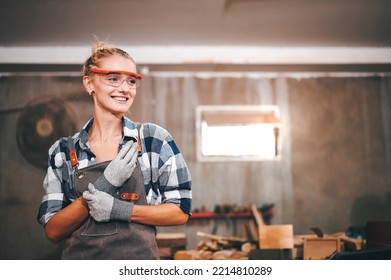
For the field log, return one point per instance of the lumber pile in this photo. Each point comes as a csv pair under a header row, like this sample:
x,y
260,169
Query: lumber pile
x,y
262,241
217,247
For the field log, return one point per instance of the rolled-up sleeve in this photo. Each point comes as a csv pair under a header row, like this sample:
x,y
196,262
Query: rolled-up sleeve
x,y
53,199
175,179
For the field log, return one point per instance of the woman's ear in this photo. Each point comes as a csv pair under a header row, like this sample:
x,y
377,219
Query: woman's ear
x,y
88,84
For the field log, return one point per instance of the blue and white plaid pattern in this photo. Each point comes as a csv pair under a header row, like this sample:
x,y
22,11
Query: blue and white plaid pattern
x,y
165,173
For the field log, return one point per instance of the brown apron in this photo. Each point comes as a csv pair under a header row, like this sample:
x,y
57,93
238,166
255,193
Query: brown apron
x,y
114,239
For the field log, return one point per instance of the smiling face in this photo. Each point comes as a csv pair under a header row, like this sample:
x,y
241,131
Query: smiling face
x,y
107,98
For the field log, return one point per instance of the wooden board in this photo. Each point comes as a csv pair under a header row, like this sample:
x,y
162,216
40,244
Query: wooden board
x,y
171,240
275,237
319,248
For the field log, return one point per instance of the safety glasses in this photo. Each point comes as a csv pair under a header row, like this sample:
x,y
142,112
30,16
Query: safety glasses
x,y
116,78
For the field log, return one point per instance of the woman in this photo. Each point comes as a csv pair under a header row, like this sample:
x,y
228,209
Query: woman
x,y
110,184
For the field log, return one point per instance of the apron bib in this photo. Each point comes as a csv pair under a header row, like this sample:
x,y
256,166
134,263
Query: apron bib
x,y
114,240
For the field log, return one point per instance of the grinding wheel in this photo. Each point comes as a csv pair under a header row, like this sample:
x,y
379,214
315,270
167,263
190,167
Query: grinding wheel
x,y
40,124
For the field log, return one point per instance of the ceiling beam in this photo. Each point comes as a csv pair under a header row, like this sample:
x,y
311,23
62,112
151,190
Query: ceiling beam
x,y
182,55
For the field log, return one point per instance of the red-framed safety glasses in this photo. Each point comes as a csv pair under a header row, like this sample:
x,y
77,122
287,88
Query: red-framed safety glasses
x,y
104,71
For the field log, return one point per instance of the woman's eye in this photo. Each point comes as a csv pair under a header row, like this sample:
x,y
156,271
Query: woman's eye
x,y
131,82
113,78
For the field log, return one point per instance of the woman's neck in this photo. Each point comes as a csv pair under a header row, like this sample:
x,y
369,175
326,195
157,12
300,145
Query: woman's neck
x,y
105,136
105,128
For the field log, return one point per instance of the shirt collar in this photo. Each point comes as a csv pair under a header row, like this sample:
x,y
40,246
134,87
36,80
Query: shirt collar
x,y
129,130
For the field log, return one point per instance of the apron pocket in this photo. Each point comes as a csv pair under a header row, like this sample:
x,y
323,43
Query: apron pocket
x,y
94,228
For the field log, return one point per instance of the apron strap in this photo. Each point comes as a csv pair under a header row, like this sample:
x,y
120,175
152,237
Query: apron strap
x,y
139,148
72,153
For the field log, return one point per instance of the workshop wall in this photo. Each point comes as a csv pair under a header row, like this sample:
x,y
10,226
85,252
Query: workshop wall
x,y
335,168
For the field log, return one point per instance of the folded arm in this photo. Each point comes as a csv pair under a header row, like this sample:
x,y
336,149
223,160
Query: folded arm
x,y
167,214
103,207
67,220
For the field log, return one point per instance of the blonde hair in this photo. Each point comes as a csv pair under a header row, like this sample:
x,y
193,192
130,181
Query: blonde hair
x,y
101,50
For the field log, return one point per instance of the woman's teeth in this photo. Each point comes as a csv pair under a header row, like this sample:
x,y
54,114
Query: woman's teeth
x,y
120,98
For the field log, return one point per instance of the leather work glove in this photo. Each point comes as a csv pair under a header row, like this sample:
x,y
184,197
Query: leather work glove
x,y
103,207
119,169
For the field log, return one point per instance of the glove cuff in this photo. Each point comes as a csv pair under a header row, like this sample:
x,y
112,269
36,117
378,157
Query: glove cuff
x,y
104,185
122,210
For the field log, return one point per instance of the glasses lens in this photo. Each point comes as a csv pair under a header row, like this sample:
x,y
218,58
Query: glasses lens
x,y
116,79
132,82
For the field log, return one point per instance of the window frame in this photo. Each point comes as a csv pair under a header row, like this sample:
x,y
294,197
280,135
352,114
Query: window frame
x,y
264,115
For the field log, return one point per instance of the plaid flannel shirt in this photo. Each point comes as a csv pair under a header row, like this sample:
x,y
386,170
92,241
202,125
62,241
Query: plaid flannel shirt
x,y
165,173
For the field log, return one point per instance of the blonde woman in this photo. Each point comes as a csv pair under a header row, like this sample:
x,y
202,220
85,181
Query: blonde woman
x,y
108,186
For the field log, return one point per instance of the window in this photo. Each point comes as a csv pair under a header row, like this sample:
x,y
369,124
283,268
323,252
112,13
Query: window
x,y
237,133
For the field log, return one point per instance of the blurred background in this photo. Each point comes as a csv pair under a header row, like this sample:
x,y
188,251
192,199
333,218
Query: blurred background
x,y
323,66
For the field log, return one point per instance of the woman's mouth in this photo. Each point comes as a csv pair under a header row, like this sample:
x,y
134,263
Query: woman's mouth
x,y
120,98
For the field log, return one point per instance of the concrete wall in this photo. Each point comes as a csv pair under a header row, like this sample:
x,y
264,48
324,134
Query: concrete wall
x,y
335,169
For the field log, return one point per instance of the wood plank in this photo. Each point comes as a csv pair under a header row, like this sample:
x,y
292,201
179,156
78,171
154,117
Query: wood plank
x,y
257,215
